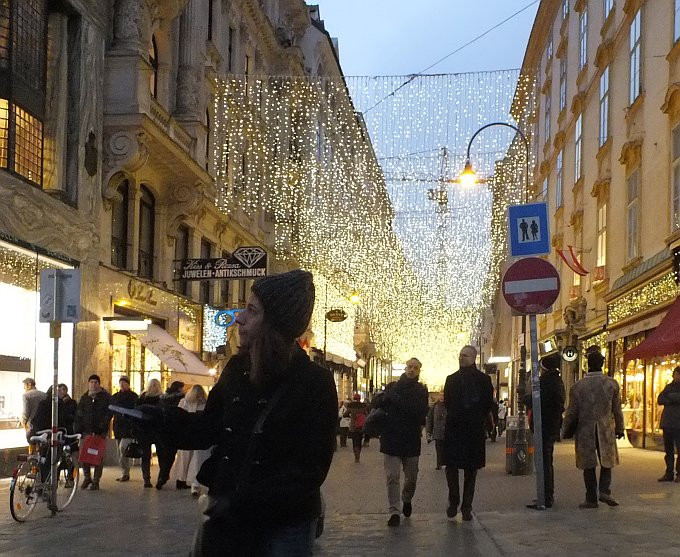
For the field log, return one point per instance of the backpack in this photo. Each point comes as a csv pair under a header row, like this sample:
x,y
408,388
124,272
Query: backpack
x,y
360,420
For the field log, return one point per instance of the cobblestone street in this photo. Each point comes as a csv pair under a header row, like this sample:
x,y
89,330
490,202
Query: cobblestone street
x,y
125,519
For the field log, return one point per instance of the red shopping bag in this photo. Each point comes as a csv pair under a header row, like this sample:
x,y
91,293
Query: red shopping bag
x,y
92,450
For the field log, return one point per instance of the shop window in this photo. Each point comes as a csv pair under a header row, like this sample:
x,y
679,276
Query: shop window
x,y
23,51
205,291
134,360
119,226
146,234
181,253
153,62
26,349
632,215
635,57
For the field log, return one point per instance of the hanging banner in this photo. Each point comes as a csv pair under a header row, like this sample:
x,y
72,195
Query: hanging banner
x,y
246,262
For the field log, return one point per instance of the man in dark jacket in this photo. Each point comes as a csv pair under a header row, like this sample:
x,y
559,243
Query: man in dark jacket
x,y
166,450
122,426
670,423
70,407
552,407
264,482
468,397
405,403
92,418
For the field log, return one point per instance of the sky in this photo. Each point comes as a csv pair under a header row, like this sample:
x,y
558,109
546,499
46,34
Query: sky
x,y
400,37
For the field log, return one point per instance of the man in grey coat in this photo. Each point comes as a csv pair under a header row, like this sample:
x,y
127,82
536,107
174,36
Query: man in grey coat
x,y
436,425
670,423
594,418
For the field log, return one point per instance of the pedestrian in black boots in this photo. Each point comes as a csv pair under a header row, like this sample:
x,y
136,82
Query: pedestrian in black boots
x,y
670,423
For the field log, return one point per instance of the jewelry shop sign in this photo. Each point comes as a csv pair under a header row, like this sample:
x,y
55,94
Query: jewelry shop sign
x,y
246,262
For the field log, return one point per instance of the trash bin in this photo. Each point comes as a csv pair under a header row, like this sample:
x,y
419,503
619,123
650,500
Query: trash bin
x,y
518,452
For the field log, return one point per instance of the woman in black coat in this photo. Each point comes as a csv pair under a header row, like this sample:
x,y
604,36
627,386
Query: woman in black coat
x,y
264,482
150,397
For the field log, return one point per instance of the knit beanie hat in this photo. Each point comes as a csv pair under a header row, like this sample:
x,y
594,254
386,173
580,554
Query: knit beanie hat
x,y
288,301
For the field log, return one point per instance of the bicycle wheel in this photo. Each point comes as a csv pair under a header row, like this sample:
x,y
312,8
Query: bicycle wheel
x,y
24,490
67,481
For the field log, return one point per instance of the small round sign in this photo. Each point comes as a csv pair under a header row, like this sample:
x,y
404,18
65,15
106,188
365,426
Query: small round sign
x,y
569,354
336,315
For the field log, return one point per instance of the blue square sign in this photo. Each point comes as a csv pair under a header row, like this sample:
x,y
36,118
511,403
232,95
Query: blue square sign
x,y
529,233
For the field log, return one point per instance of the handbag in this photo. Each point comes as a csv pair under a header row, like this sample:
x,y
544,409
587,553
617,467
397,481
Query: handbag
x,y
133,450
93,450
375,423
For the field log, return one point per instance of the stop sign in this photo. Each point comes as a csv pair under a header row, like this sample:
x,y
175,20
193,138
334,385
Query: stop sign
x,y
531,285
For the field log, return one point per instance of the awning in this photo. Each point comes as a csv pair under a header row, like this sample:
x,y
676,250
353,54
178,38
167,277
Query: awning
x,y
662,341
170,352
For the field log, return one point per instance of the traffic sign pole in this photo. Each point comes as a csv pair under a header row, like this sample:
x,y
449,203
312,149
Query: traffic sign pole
x,y
537,414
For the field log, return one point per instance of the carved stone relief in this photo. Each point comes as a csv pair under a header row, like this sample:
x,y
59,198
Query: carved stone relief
x,y
125,151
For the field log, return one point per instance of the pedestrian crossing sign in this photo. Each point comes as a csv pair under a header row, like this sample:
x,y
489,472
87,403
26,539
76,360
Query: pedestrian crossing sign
x,y
528,229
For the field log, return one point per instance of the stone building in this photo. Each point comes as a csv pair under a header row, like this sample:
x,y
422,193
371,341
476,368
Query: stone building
x,y
606,138
107,164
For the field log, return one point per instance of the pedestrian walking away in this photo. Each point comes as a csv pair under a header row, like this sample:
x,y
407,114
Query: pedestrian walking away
x,y
272,417
122,426
670,423
405,403
343,423
357,411
31,399
468,397
150,397
166,450
92,418
188,463
594,418
552,407
502,416
435,426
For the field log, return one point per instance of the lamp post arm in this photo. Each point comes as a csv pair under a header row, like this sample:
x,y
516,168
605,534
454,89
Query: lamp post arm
x,y
524,141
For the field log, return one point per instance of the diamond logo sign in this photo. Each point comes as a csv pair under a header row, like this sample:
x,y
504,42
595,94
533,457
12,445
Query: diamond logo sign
x,y
247,262
249,255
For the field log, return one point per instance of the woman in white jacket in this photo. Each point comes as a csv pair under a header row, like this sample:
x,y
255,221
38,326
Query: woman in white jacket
x,y
188,463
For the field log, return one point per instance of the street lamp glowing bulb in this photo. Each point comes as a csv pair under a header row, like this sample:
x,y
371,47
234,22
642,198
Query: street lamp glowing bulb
x,y
355,298
468,178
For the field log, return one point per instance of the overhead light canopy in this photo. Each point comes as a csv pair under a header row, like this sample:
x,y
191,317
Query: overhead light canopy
x,y
126,324
500,359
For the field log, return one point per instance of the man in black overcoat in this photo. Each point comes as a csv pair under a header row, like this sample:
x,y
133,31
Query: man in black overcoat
x,y
468,397
552,408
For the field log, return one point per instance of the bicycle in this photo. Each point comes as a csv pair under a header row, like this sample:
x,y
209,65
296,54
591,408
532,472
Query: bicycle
x,y
27,487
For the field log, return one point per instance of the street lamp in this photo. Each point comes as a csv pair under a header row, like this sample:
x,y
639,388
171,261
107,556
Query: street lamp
x,y
469,178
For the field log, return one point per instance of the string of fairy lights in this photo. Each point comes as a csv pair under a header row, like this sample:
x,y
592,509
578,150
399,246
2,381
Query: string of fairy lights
x,y
367,201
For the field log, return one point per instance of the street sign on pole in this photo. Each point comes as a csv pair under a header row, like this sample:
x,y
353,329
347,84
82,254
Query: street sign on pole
x,y
569,354
531,285
528,229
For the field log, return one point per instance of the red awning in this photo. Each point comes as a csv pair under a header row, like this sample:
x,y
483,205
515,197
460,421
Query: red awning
x,y
662,341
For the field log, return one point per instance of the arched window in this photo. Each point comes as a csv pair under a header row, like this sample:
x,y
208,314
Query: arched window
x,y
119,227
153,60
146,233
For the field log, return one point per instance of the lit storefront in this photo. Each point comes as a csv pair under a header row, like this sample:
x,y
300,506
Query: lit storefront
x,y
165,350
641,365
26,349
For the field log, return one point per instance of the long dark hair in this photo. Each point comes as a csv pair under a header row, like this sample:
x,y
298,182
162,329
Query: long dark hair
x,y
270,354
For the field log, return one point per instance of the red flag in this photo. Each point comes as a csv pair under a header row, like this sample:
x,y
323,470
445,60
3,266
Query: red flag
x,y
570,258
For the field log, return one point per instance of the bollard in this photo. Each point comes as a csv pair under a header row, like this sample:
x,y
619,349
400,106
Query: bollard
x,y
520,455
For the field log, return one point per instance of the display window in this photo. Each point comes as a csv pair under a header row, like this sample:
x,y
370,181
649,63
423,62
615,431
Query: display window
x,y
132,359
26,349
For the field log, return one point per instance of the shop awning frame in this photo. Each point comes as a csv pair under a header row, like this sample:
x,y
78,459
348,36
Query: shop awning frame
x,y
662,341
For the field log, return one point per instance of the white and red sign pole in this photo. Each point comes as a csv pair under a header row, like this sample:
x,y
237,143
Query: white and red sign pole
x,y
531,286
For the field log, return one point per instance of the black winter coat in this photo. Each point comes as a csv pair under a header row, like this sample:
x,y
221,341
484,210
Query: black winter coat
x,y
66,412
93,414
293,452
468,397
122,426
552,404
139,432
670,398
406,403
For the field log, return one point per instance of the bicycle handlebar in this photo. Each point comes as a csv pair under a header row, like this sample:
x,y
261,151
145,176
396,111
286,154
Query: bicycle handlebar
x,y
43,435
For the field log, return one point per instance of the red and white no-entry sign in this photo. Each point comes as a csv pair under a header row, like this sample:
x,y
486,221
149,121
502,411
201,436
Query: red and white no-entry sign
x,y
531,285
